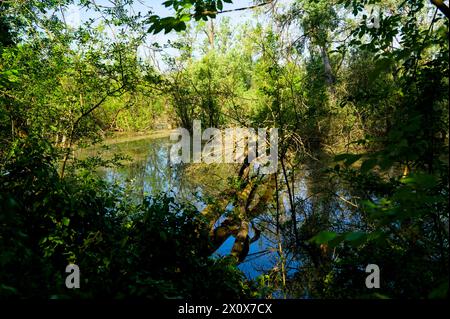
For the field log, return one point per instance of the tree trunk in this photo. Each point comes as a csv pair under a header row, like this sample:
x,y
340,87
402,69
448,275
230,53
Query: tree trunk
x,y
329,76
211,33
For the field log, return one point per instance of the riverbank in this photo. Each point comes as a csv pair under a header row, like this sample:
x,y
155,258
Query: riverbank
x,y
124,137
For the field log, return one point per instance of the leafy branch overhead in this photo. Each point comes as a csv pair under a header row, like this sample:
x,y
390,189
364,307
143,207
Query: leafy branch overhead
x,y
186,10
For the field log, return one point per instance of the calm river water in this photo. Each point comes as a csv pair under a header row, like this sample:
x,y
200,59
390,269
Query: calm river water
x,y
149,172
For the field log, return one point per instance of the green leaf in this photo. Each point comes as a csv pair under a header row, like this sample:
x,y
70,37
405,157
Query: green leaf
x,y
440,292
65,221
323,237
348,159
355,236
180,26
385,163
219,5
336,241
185,18
420,179
4,290
376,235
368,164
380,296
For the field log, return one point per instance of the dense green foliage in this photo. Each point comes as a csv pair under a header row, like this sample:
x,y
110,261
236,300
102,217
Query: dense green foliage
x,y
152,249
363,109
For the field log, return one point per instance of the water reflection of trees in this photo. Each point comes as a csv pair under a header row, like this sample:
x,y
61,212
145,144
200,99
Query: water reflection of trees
x,y
292,265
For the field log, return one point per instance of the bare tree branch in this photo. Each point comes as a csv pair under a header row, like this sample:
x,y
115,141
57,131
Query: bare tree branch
x,y
442,7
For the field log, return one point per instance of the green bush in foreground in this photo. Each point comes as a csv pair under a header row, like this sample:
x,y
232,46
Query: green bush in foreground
x,y
154,249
